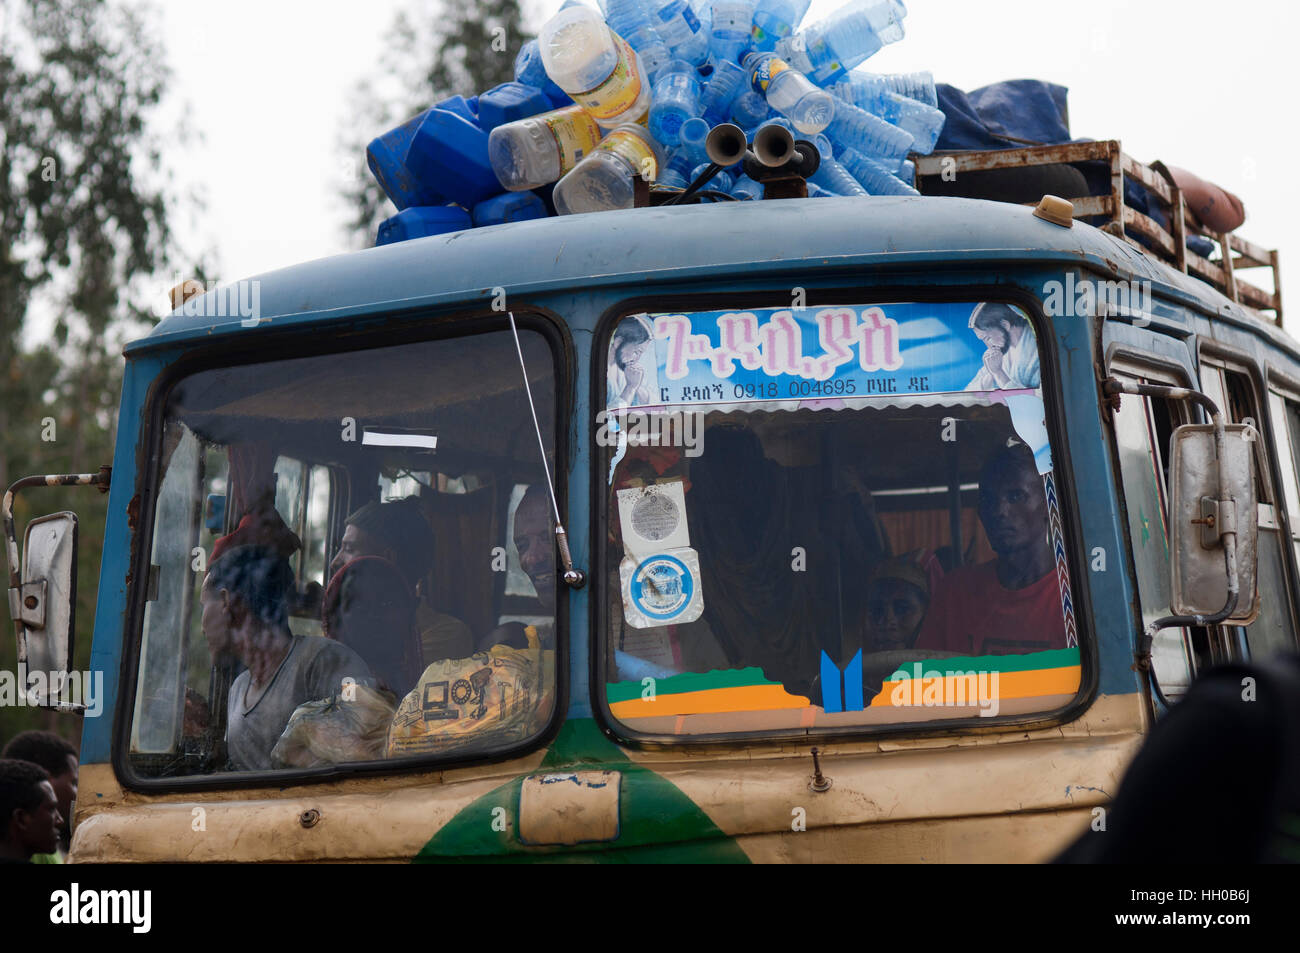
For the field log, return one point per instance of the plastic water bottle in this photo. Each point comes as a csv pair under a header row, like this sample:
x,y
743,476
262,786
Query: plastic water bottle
x,y
747,189
907,174
749,109
925,123
676,173
815,191
528,153
733,21
871,175
681,30
721,181
833,177
831,47
604,180
790,93
594,65
774,20
628,20
676,98
870,135
722,89
693,134
919,86
530,71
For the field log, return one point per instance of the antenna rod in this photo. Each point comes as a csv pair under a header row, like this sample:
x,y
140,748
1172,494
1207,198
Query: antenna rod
x,y
574,578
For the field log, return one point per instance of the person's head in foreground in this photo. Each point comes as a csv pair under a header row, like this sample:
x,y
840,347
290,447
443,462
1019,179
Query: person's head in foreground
x,y
29,811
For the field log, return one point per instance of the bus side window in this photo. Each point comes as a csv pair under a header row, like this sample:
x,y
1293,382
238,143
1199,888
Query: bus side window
x,y
1285,414
1234,392
1142,429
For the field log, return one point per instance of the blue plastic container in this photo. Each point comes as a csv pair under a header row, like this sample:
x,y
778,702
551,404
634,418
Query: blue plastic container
x,y
676,99
508,207
386,157
421,222
530,71
450,153
508,102
467,108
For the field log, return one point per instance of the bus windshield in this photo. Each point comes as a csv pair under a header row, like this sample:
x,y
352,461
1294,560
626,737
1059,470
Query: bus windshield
x,y
828,517
344,561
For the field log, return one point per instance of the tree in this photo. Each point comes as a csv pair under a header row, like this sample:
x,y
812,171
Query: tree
x,y
83,215
473,49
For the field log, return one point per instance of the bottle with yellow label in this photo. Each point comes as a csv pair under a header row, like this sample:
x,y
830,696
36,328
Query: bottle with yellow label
x,y
594,65
531,152
605,179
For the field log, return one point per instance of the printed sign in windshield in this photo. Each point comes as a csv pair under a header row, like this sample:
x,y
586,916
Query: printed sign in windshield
x,y
662,360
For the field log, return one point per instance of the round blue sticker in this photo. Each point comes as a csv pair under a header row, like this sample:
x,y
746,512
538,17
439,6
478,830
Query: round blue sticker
x,y
662,587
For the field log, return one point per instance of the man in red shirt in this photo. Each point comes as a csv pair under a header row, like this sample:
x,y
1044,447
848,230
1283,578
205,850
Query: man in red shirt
x,y
1011,604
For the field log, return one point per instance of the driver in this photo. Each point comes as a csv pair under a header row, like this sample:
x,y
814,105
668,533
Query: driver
x,y
1012,603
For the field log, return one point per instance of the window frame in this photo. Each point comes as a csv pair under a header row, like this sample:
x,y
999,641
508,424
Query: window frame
x,y
1229,360
395,328
823,296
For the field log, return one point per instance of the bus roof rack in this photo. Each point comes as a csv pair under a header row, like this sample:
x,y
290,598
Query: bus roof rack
x,y
1170,246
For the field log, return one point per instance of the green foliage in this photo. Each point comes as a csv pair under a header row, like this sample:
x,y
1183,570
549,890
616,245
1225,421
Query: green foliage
x,y
435,49
82,216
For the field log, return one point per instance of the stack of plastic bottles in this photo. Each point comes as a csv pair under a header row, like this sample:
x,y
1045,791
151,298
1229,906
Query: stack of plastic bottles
x,y
602,98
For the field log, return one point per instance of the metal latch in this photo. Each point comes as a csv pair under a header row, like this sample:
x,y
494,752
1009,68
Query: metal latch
x,y
27,604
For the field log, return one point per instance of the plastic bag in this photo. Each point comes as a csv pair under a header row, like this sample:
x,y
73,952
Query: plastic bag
x,y
336,730
489,699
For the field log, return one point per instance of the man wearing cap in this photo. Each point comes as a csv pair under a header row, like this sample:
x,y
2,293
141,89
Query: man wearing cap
x,y
398,532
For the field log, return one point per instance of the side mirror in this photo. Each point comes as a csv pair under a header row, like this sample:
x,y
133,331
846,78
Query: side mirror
x,y
46,600
1200,513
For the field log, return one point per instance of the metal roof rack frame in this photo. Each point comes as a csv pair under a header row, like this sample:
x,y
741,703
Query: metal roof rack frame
x,y
1234,252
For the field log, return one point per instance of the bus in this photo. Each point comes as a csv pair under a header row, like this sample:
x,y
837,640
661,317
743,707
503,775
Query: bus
x,y
803,530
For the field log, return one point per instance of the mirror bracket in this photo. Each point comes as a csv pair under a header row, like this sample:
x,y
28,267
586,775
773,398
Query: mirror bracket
x,y
27,604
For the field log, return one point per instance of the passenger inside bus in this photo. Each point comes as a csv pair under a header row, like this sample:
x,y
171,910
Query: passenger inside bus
x,y
398,532
534,540
245,614
1012,603
370,608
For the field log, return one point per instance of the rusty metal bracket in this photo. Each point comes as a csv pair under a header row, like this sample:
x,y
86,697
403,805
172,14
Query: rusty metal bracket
x,y
27,604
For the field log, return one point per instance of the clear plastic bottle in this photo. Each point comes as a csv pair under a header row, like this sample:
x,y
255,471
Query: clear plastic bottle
x,y
774,20
749,109
790,93
629,20
529,153
833,177
676,172
604,180
676,98
871,175
747,189
872,136
733,21
693,134
721,91
681,30
722,180
919,86
594,65
831,47
530,71
925,123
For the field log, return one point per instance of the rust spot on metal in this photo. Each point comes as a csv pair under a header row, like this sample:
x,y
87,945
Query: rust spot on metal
x,y
133,513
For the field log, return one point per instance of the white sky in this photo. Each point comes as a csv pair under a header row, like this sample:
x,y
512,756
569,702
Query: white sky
x,y
1200,85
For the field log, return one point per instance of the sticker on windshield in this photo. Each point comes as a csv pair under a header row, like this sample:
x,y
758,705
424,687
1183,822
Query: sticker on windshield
x,y
663,589
844,351
653,518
